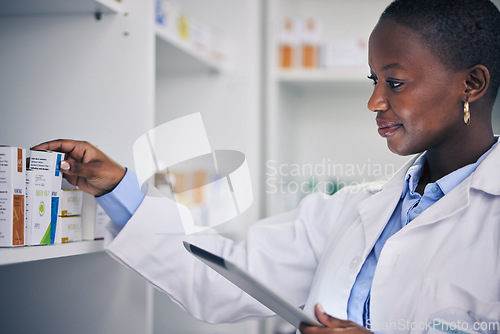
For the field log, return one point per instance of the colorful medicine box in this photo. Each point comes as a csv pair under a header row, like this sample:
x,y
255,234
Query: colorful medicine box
x,y
38,207
70,203
49,162
12,196
69,229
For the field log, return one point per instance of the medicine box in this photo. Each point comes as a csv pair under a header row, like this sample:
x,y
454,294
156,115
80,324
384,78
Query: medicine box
x,y
12,196
49,162
94,218
70,203
69,229
38,207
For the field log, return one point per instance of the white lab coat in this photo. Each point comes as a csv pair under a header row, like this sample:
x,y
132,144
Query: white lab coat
x,y
444,265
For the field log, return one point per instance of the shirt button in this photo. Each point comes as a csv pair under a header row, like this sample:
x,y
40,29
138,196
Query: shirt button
x,y
435,189
355,262
418,210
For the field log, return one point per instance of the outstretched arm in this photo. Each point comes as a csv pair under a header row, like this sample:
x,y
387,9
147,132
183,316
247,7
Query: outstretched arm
x,y
86,166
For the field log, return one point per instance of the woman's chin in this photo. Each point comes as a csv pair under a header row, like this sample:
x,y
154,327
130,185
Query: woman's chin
x,y
398,147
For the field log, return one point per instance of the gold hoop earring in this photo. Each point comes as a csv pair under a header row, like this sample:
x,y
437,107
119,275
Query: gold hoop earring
x,y
466,112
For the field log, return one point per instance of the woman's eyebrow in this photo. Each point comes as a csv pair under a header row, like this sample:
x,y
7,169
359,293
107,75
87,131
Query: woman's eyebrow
x,y
393,65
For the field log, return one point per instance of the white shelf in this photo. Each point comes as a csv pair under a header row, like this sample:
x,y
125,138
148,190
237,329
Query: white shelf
x,y
174,54
321,76
114,6
35,253
322,80
46,7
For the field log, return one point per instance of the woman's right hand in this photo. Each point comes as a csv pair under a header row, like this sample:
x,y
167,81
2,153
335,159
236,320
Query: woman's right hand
x,y
86,166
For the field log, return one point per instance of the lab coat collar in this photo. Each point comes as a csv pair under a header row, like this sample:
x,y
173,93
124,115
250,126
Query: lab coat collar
x,y
376,210
487,175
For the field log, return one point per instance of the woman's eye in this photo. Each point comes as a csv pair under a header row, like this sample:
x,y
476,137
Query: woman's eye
x,y
371,77
394,84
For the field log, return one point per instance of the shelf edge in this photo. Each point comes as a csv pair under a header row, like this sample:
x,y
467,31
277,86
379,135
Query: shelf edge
x,y
303,76
35,253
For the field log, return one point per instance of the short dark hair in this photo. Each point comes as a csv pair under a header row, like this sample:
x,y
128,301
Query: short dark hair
x,y
462,33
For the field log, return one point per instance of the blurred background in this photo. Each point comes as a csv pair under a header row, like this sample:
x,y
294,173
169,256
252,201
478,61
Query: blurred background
x,y
283,81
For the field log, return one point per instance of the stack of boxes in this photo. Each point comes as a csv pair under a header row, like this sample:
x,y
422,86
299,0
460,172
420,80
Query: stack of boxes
x,y
34,210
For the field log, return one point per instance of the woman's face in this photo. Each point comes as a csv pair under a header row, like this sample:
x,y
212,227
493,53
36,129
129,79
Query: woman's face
x,y
417,99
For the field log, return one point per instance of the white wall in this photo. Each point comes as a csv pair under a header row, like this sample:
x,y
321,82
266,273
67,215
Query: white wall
x,y
229,102
70,76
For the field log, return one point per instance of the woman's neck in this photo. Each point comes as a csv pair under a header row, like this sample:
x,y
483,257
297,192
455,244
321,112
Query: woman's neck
x,y
443,160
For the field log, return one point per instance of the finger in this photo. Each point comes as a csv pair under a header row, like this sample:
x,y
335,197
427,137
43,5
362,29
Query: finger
x,y
307,329
85,170
328,320
80,151
72,179
59,145
310,329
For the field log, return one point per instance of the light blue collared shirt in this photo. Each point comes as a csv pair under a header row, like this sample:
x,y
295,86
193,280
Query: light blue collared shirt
x,y
410,206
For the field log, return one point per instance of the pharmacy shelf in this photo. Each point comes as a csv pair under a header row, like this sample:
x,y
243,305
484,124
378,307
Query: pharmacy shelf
x,y
174,54
114,6
322,80
321,76
58,7
36,253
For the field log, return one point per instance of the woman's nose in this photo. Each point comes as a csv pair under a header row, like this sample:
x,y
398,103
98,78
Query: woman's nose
x,y
378,100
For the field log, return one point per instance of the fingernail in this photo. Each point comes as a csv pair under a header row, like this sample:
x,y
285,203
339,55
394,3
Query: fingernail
x,y
65,165
320,308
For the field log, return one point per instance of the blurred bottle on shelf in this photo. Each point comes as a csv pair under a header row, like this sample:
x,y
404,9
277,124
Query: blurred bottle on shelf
x,y
311,35
287,38
183,26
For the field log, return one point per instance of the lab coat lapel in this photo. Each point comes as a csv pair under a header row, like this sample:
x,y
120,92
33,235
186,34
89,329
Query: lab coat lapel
x,y
377,209
483,179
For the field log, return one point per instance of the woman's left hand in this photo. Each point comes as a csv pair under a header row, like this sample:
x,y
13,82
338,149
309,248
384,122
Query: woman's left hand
x,y
332,325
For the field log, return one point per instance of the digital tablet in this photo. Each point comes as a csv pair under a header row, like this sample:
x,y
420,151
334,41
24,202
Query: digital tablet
x,y
254,288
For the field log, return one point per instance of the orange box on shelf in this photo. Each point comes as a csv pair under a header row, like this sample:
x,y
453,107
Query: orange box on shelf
x,y
12,196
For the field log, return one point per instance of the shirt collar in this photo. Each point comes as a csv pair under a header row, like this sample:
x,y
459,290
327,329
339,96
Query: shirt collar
x,y
413,174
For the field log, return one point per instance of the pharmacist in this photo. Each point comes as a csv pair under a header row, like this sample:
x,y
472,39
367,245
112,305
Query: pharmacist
x,y
400,255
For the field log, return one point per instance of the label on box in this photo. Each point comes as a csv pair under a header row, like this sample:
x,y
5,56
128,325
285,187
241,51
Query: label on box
x,y
70,203
46,161
18,220
69,229
39,207
49,162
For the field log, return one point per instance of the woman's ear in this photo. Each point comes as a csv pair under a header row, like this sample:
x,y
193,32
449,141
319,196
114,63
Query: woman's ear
x,y
477,82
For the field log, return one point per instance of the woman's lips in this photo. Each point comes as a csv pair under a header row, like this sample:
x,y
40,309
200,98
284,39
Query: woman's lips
x,y
388,128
